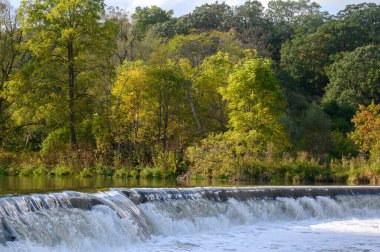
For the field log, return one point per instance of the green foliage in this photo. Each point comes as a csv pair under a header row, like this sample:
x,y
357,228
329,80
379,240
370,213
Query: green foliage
x,y
121,173
14,169
288,17
11,60
62,170
85,173
215,16
315,131
340,115
342,145
168,162
103,170
3,170
40,170
66,47
355,79
255,102
87,91
56,141
146,17
152,173
356,170
305,58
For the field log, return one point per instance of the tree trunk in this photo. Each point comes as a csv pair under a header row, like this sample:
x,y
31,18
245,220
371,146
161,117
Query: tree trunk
x,y
73,137
159,119
193,109
166,123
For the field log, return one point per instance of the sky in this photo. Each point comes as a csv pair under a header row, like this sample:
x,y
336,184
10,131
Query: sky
x,y
181,7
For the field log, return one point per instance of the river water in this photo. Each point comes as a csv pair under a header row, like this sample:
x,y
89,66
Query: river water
x,y
45,184
194,219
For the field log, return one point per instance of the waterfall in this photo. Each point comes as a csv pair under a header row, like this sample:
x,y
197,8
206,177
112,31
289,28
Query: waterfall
x,y
75,220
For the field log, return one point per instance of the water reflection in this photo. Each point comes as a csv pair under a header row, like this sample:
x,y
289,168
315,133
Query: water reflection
x,y
43,184
35,184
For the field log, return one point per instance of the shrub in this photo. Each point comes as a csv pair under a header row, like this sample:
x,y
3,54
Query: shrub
x,y
40,170
86,172
3,169
152,173
105,171
121,173
62,170
14,170
26,170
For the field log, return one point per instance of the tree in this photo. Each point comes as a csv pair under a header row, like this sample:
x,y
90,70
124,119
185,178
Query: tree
x,y
365,19
216,70
253,28
166,94
305,59
10,58
282,11
145,18
287,17
130,102
355,26
125,34
147,105
307,56
66,40
207,17
355,78
367,129
187,54
255,103
315,131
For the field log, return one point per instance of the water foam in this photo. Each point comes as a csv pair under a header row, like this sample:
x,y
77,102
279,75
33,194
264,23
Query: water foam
x,y
193,220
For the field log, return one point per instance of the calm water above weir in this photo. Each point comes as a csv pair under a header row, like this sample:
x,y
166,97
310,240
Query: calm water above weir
x,y
45,184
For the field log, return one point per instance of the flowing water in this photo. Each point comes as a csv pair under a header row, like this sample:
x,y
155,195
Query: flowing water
x,y
307,218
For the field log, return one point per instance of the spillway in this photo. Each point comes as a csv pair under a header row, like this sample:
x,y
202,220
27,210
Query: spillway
x,y
193,219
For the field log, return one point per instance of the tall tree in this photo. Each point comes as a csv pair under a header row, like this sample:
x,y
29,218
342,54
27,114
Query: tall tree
x,y
125,34
207,17
255,104
253,28
367,129
10,38
188,53
145,18
355,79
65,37
287,16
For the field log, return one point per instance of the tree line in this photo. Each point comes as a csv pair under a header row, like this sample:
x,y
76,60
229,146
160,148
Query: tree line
x,y
236,92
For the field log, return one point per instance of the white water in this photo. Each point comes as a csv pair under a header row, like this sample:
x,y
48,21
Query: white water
x,y
349,223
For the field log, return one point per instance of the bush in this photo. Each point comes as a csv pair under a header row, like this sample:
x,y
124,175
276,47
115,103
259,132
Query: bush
x,y
40,170
3,169
121,173
133,174
167,163
152,173
105,171
62,170
26,170
86,172
14,170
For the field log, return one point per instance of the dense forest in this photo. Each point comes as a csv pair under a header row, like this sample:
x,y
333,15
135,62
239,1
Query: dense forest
x,y
287,92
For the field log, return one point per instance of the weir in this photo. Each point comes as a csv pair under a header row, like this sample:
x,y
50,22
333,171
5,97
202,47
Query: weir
x,y
142,195
143,212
